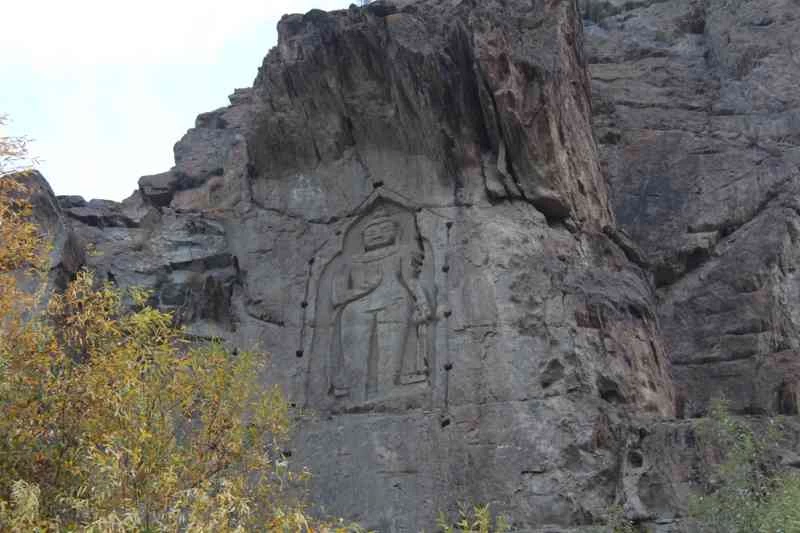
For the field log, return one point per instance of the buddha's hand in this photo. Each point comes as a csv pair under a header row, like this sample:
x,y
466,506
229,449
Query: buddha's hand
x,y
422,312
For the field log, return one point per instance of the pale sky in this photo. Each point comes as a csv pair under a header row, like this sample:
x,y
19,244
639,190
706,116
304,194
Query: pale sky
x,y
106,88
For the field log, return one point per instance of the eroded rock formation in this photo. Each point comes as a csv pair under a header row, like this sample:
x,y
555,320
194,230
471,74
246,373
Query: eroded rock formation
x,y
409,212
698,119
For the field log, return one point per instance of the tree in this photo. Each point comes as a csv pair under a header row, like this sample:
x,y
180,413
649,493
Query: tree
x,y
746,492
21,248
110,420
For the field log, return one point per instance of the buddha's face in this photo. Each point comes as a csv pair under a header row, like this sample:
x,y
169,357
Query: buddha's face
x,y
380,235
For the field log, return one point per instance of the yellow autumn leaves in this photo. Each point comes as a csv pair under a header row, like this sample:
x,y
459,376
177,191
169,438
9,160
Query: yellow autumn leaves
x,y
110,420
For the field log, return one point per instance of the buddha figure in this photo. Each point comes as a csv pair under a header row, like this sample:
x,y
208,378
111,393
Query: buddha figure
x,y
382,313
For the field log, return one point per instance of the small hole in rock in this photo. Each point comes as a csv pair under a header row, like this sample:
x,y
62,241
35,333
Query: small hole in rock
x,y
304,305
446,268
610,390
553,372
299,353
635,459
445,422
448,367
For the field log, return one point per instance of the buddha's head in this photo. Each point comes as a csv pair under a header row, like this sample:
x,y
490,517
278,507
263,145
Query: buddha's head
x,y
381,231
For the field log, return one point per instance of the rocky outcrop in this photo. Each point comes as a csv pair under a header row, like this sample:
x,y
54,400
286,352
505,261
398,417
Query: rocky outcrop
x,y
342,92
407,211
183,257
698,125
67,252
463,297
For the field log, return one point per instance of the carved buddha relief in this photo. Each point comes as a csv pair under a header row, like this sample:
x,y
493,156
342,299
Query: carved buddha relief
x,y
377,298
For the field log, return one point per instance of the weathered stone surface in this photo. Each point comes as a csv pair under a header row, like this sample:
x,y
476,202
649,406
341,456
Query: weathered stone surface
x,y
67,255
409,212
697,121
476,83
159,189
696,118
531,351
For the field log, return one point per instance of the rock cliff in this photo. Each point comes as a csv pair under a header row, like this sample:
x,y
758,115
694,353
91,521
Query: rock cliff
x,y
479,275
698,125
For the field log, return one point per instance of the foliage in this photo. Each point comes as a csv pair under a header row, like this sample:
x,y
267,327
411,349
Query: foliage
x,y
478,519
746,491
21,252
111,421
617,523
781,512
13,152
21,249
122,426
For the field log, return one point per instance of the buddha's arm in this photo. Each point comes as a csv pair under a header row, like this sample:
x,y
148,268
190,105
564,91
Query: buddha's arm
x,y
416,290
340,294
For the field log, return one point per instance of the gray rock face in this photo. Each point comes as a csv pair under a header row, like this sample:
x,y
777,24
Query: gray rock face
x,y
696,118
696,114
406,211
409,212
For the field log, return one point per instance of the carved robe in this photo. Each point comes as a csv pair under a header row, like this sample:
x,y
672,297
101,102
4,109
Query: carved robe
x,y
376,343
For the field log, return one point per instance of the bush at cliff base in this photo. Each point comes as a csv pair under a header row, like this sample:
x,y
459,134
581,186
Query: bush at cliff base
x,y
745,490
111,421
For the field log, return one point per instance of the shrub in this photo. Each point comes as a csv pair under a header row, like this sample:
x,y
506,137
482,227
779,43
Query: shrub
x,y
745,490
477,519
110,420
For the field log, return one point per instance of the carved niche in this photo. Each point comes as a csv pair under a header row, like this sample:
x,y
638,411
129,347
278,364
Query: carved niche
x,y
374,334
